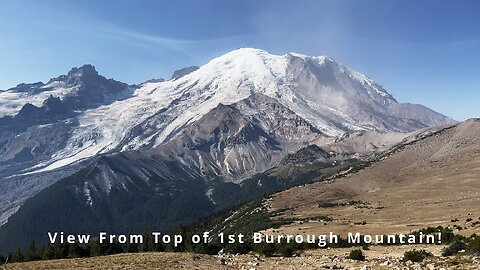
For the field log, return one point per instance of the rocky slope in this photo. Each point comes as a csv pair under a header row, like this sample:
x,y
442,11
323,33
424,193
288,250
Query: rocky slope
x,y
424,183
376,259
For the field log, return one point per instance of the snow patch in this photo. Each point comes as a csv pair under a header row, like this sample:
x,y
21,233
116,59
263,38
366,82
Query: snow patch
x,y
86,192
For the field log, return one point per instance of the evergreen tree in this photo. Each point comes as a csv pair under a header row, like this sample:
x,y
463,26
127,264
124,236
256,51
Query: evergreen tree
x,y
32,253
96,249
17,256
74,251
47,252
60,251
129,247
148,244
113,248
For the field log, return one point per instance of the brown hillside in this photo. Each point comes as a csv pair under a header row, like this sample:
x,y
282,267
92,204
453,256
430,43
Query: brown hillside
x,y
431,182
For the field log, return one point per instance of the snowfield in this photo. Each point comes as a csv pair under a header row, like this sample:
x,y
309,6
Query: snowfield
x,y
332,97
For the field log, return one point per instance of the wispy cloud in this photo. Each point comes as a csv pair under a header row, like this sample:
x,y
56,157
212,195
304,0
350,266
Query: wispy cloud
x,y
186,47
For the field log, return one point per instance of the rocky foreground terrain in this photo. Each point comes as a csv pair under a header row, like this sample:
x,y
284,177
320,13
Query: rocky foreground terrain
x,y
376,258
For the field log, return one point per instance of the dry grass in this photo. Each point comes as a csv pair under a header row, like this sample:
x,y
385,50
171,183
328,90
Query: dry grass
x,y
429,183
137,261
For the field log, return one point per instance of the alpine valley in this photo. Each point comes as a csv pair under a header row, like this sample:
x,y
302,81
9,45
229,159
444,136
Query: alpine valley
x,y
83,154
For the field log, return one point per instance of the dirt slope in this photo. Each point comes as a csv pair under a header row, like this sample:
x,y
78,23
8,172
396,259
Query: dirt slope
x,y
430,182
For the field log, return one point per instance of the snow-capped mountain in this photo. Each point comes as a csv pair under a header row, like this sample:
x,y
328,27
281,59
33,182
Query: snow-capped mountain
x,y
82,87
33,133
236,116
330,96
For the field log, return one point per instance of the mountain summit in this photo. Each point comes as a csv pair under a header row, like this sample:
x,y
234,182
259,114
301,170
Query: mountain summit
x,y
329,95
87,69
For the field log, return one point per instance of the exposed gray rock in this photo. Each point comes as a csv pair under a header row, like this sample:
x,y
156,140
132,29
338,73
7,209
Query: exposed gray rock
x,y
177,74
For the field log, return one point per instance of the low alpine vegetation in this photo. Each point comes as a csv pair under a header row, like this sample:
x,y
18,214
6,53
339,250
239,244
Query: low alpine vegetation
x,y
416,255
356,254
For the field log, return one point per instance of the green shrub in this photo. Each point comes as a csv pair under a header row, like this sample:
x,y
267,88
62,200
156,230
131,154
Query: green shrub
x,y
327,204
474,245
267,249
286,250
454,247
356,254
416,255
237,248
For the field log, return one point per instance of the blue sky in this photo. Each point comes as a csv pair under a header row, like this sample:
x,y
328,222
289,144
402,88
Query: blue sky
x,y
425,52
